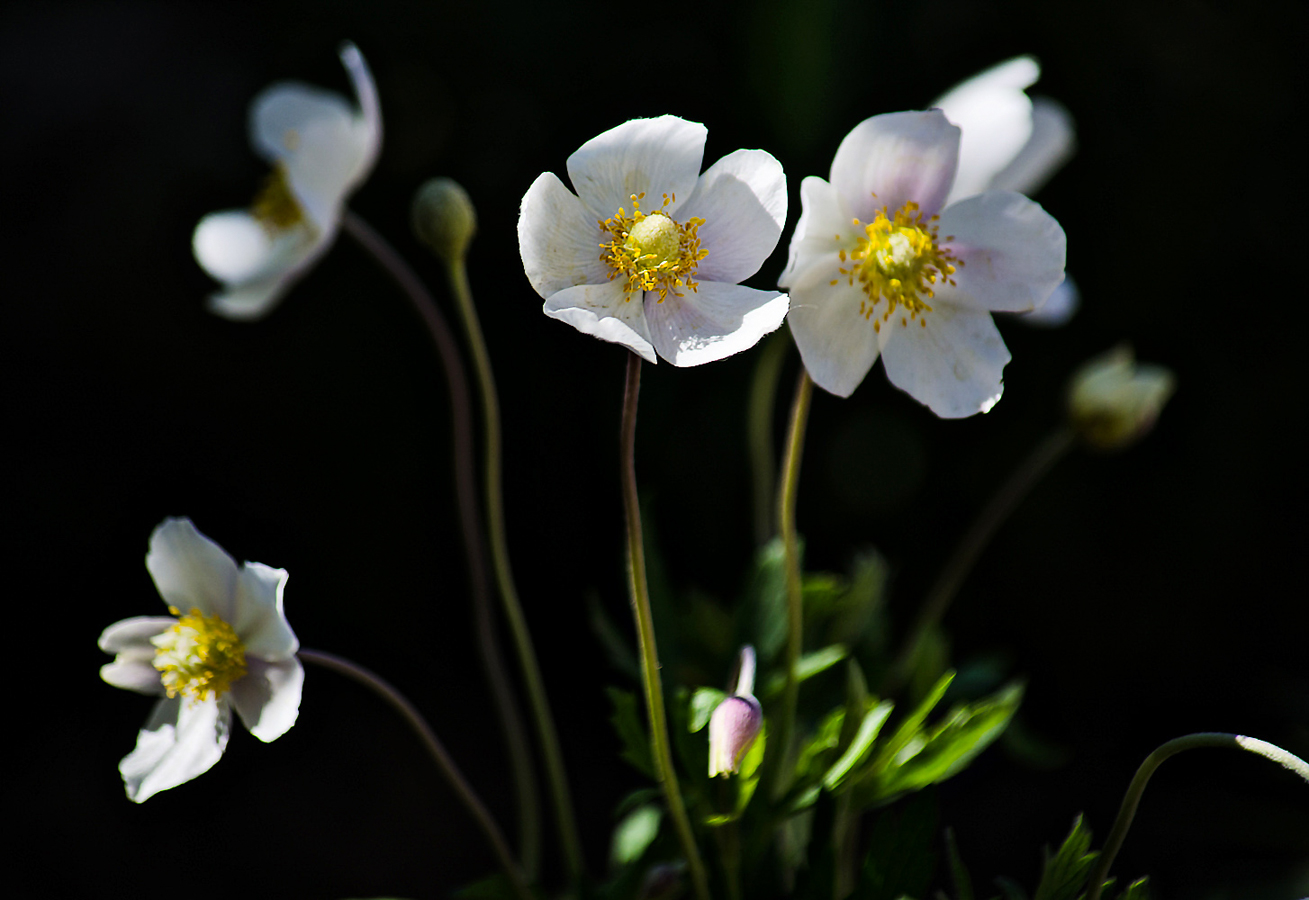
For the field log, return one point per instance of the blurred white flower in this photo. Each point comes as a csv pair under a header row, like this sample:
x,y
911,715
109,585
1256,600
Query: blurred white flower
x,y
1114,402
874,269
321,147
735,722
649,252
1015,143
227,643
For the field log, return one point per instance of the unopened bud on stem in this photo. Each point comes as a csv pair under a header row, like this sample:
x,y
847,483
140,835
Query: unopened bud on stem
x,y
444,218
1113,402
736,722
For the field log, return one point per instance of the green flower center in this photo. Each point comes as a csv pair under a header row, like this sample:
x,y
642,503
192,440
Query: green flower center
x,y
652,251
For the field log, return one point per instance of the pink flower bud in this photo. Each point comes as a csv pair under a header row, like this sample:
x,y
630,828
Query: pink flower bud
x,y
732,730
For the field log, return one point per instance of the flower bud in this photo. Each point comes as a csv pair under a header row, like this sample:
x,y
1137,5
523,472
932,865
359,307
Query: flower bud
x,y
1113,402
735,724
444,218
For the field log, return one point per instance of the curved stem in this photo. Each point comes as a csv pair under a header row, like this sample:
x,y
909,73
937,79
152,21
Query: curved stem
x,y
970,547
654,692
759,431
462,789
786,498
494,496
1127,811
529,813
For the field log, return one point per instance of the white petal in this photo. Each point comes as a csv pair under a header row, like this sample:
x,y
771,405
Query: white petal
x,y
268,698
235,248
742,199
823,229
996,118
952,364
281,112
132,636
558,239
1051,145
893,158
604,311
133,675
1056,311
249,302
712,322
259,618
838,345
1013,252
370,123
180,740
651,156
191,571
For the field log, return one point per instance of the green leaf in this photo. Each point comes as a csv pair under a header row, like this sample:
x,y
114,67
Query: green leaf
x,y
873,720
912,725
856,612
816,752
963,884
701,707
1064,875
900,857
634,834
807,666
766,600
631,733
1136,891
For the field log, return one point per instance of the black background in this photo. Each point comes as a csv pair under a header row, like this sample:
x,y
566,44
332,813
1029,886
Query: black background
x,y
1144,595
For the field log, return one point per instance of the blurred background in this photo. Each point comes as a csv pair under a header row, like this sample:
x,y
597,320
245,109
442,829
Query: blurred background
x,y
1142,595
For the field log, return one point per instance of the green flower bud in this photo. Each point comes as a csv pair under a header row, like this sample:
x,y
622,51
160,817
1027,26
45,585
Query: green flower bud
x,y
444,218
1113,402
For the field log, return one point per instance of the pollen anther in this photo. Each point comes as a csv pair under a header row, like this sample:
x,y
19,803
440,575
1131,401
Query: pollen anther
x,y
899,259
201,656
652,251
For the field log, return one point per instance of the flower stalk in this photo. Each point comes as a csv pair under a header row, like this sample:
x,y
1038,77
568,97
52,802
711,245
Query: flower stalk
x,y
653,689
759,432
529,814
1127,811
437,750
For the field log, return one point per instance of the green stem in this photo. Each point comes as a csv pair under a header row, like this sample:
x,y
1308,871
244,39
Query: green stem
x,y
966,552
437,750
494,495
1127,811
794,585
502,695
759,431
654,692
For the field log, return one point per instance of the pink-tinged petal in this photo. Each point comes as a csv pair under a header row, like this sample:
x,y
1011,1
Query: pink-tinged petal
x,y
558,239
181,739
191,571
712,322
1012,250
1058,310
651,156
996,118
133,675
260,620
268,698
605,311
837,344
891,159
1052,144
742,199
132,636
952,363
823,229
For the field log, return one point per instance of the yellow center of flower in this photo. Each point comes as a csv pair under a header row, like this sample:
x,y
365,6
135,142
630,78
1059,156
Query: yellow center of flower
x,y
275,206
898,260
652,251
200,656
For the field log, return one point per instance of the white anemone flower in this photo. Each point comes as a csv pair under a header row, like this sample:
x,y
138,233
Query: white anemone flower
x,y
878,267
227,644
1011,142
321,147
649,252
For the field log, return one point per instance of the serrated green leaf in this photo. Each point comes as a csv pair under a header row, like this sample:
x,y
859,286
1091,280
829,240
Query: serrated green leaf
x,y
632,736
807,666
701,707
634,834
860,746
1137,890
1064,875
907,730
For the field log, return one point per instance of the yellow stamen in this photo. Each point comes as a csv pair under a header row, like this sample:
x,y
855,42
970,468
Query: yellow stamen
x,y
898,260
652,251
275,206
201,656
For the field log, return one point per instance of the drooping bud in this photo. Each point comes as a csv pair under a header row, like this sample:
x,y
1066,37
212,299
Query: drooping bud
x,y
736,722
444,218
1113,402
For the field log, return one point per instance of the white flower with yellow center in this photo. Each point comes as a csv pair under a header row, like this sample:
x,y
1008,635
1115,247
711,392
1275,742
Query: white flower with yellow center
x,y
1011,142
227,644
649,252
321,147
876,267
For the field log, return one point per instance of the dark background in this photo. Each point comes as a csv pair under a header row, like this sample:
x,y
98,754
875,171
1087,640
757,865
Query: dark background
x,y
1144,595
